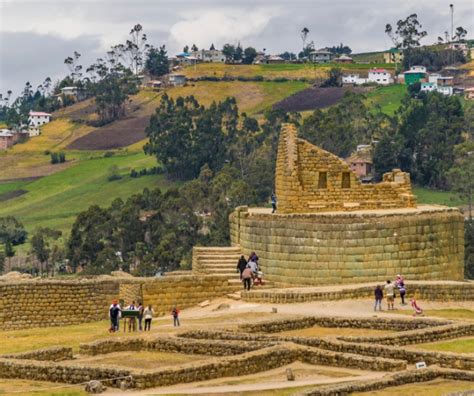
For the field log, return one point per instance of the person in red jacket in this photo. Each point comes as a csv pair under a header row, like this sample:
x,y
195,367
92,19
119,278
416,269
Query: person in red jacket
x,y
175,313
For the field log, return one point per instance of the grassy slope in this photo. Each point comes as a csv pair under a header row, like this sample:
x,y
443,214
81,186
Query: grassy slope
x,y
447,198
55,200
387,98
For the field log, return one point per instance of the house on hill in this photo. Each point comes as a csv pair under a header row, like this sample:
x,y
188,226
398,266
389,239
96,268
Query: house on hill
x,y
7,139
212,56
376,76
344,59
469,93
176,80
415,74
393,55
321,56
35,120
360,162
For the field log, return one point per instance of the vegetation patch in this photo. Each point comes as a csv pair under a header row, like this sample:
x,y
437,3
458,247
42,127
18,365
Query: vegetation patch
x,y
437,387
11,195
460,345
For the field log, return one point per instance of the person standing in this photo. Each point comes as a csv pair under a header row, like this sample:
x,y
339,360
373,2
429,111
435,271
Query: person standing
x,y
175,313
114,313
274,203
148,315
241,265
389,291
378,298
247,278
140,315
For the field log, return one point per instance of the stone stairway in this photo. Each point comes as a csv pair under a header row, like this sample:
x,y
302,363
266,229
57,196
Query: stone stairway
x,y
222,262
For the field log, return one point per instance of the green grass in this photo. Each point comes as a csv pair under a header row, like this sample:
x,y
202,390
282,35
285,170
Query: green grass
x,y
463,345
12,186
55,200
453,313
387,98
427,196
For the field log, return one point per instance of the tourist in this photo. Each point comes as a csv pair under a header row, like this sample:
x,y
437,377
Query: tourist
x,y
132,323
389,291
253,257
416,307
175,313
247,276
400,283
140,315
241,265
378,298
148,315
254,267
114,314
274,203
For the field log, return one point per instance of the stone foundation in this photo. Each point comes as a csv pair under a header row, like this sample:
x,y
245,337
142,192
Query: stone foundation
x,y
424,243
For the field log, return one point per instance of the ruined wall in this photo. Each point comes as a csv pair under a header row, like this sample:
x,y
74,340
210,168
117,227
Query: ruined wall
x,y
426,243
43,303
183,291
310,179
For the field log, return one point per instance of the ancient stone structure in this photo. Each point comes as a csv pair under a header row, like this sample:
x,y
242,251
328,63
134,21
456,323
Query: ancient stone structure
x,y
310,179
331,229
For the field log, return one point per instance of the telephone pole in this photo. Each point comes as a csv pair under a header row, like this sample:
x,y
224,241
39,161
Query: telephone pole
x,y
451,6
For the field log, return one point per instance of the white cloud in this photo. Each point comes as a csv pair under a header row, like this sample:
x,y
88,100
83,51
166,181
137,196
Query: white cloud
x,y
228,25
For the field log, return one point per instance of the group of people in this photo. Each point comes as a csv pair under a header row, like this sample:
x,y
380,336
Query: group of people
x,y
144,316
249,270
390,291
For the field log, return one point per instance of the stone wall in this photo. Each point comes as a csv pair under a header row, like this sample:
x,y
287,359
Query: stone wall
x,y
310,179
429,291
183,291
54,354
44,303
426,243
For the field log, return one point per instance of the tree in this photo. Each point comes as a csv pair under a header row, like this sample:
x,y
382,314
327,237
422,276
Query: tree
x,y
304,35
385,156
194,48
157,61
407,34
469,248
238,53
460,33
75,69
250,54
186,49
12,230
229,52
212,48
288,56
340,49
9,252
135,48
461,175
41,245
334,79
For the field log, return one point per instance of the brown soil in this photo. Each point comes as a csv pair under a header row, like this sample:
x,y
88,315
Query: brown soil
x,y
315,98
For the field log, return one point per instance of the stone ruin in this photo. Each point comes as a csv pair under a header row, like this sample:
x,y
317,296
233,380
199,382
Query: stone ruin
x,y
330,228
310,179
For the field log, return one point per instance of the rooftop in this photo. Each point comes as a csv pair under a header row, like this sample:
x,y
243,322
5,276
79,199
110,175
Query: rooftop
x,y
39,114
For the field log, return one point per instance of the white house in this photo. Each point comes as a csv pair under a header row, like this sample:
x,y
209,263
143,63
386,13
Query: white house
x,y
321,56
177,80
377,76
209,56
353,79
434,87
418,69
380,76
433,78
35,120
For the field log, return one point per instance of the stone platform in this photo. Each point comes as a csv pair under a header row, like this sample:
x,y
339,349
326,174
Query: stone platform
x,y
422,243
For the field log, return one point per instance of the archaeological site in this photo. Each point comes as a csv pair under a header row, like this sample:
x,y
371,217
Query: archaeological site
x,y
309,329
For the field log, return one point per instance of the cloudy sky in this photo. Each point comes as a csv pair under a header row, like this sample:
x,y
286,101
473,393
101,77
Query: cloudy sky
x,y
37,35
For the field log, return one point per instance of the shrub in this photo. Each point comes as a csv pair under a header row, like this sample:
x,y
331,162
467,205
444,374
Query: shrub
x,y
47,152
109,154
113,173
62,157
54,158
133,173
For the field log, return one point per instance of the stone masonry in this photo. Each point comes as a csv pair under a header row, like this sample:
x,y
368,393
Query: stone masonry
x,y
310,179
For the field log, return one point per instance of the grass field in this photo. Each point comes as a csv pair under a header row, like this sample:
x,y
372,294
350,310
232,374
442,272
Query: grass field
x,y
285,70
460,345
427,196
438,387
388,99
454,313
55,200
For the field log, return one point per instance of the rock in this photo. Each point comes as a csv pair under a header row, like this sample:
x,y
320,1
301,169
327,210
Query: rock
x,y
94,387
121,274
222,307
205,303
289,374
274,310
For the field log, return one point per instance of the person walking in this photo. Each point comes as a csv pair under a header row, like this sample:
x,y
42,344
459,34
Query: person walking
x,y
114,314
274,203
390,293
132,323
378,298
148,315
241,265
400,284
247,276
175,313
140,315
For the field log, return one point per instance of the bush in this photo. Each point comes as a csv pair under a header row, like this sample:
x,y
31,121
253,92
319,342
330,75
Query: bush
x,y
133,173
62,157
54,158
47,152
113,173
109,154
